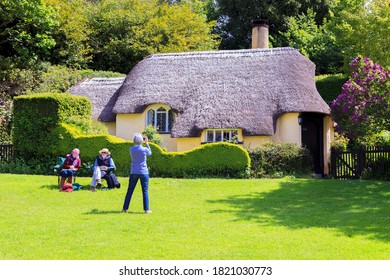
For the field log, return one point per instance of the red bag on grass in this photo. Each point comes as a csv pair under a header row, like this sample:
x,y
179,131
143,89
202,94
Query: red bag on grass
x,y
67,187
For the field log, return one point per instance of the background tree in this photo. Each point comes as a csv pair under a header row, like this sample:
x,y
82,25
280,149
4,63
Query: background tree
x,y
362,27
235,17
313,41
26,33
362,110
26,39
125,31
72,46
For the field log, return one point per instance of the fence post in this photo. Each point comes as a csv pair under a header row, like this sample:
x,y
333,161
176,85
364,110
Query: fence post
x,y
333,162
6,152
361,157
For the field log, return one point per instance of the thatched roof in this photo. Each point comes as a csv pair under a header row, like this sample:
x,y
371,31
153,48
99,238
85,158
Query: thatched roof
x,y
103,94
245,89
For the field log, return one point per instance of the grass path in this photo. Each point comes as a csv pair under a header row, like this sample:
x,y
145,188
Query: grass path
x,y
205,219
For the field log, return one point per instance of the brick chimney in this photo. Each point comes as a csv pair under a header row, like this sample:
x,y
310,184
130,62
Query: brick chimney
x,y
260,29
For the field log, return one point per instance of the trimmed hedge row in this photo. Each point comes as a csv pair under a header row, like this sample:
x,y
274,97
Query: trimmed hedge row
x,y
45,125
217,159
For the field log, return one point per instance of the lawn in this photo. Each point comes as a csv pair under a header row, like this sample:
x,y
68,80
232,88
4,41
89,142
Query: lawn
x,y
197,219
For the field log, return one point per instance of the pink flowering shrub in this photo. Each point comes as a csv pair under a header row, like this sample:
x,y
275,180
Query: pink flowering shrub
x,y
362,109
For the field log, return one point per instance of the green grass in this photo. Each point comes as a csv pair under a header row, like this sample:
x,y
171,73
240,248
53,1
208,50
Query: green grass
x,y
204,219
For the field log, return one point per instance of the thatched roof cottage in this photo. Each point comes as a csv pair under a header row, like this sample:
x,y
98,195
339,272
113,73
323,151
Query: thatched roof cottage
x,y
250,96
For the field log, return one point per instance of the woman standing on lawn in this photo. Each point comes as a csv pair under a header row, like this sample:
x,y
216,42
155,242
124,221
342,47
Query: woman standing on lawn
x,y
138,170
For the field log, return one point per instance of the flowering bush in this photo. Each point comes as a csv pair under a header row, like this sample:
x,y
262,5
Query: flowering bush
x,y
362,109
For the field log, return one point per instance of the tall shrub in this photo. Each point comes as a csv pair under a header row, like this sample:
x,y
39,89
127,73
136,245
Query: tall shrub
x,y
35,117
280,159
362,109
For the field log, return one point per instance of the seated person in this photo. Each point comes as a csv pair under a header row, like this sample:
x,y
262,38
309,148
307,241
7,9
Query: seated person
x,y
103,165
71,165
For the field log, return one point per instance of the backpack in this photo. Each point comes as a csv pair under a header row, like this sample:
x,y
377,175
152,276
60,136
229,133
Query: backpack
x,y
67,187
112,180
76,187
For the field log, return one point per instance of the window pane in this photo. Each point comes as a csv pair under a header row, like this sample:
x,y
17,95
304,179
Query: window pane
x,y
210,136
150,117
218,136
171,119
226,135
161,121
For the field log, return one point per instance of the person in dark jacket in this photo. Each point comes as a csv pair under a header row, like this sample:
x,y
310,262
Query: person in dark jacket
x,y
70,166
103,165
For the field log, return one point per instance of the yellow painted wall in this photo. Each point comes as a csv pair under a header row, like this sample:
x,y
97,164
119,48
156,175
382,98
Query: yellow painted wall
x,y
329,137
288,129
129,124
111,127
251,142
185,144
168,142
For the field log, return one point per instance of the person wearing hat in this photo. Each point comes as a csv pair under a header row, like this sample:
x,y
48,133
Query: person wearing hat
x,y
70,166
103,165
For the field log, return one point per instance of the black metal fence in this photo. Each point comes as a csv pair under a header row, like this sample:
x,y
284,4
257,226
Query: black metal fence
x,y
352,164
6,152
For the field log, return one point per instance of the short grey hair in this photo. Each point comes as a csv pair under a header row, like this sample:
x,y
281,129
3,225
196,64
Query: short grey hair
x,y
138,138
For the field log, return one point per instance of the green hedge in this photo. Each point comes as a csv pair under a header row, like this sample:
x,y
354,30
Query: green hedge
x,y
279,160
35,116
218,159
329,86
51,125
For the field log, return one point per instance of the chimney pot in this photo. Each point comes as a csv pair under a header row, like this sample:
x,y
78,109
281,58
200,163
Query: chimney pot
x,y
260,30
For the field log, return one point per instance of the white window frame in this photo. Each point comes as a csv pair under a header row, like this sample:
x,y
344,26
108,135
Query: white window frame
x,y
155,109
221,131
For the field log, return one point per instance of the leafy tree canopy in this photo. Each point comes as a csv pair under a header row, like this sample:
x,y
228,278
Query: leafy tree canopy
x,y
313,41
125,31
235,17
72,48
26,32
362,27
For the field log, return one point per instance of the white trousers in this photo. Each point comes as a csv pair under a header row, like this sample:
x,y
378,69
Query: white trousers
x,y
97,175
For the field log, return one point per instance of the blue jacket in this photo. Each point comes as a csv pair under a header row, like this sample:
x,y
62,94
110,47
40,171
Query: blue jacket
x,y
138,159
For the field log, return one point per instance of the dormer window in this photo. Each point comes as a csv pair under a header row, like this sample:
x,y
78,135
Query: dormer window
x,y
161,117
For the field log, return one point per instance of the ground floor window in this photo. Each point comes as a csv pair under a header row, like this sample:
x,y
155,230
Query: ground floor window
x,y
222,135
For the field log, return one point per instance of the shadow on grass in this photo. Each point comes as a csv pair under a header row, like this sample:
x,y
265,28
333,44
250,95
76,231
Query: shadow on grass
x,y
351,207
50,187
102,212
83,188
56,188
